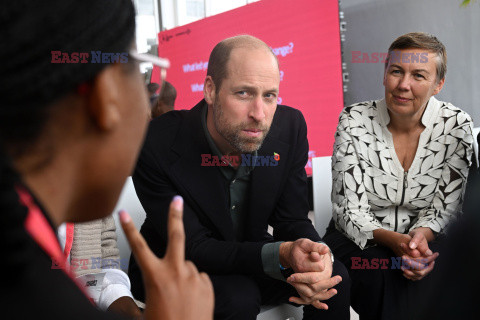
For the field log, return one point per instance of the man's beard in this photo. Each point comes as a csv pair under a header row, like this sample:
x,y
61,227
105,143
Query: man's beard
x,y
232,133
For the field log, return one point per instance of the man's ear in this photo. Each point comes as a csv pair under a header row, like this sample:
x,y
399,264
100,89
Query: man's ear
x,y
104,100
209,90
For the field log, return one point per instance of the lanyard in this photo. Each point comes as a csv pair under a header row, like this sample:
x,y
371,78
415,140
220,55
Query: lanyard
x,y
40,230
68,239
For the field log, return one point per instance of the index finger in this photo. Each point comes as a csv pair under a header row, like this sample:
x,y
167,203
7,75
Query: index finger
x,y
311,246
139,246
420,243
176,233
311,278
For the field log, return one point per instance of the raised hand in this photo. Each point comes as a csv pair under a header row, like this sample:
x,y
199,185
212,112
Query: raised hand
x,y
174,287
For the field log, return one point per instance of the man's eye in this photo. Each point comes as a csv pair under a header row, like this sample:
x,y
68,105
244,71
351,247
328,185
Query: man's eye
x,y
395,71
419,76
242,93
270,96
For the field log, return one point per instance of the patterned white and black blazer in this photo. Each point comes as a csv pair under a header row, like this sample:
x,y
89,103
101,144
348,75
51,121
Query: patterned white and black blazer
x,y
370,188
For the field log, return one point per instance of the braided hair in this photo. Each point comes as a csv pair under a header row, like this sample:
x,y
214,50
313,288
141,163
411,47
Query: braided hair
x,y
30,31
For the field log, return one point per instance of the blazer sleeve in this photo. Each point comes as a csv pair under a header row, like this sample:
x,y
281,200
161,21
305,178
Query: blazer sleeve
x,y
203,245
95,242
448,196
290,219
351,210
86,253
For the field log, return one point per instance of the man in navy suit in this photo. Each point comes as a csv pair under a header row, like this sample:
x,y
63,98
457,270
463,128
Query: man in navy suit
x,y
238,160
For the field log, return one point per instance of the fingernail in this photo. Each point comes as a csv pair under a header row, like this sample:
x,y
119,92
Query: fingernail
x,y
177,202
291,279
412,245
429,252
124,216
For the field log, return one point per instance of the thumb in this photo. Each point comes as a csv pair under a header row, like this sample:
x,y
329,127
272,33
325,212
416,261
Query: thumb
x,y
417,237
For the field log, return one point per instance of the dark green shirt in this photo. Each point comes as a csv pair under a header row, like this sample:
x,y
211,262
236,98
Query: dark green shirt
x,y
239,186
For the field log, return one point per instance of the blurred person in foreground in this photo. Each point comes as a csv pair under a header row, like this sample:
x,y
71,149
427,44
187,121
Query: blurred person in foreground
x,y
399,167
208,156
67,145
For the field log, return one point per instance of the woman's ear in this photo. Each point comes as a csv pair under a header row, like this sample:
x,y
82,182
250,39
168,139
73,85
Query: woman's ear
x,y
104,101
439,86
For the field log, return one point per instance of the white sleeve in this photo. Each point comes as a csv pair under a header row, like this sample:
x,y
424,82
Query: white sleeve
x,y
116,284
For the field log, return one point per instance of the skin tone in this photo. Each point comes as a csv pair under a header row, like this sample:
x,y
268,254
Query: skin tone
x,y
174,288
240,115
126,306
408,87
91,143
238,119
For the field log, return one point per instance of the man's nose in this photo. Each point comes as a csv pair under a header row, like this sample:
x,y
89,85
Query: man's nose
x,y
257,109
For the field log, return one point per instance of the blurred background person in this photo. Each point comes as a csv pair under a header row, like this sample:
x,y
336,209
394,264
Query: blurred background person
x,y
152,89
165,101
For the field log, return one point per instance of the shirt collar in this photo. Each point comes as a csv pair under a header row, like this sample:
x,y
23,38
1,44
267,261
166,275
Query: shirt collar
x,y
428,117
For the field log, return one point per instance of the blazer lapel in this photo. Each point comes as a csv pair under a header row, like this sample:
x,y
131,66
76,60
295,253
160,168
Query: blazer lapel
x,y
265,184
205,186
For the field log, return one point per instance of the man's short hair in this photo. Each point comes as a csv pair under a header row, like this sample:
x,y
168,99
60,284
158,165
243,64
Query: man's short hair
x,y
426,41
168,94
217,63
153,88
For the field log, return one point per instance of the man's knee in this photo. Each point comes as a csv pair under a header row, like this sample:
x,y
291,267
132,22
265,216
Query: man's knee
x,y
342,298
339,269
339,304
236,297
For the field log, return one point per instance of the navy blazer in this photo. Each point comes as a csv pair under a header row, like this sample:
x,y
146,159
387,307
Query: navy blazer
x,y
170,164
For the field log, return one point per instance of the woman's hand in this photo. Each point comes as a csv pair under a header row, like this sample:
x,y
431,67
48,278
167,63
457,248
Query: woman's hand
x,y
174,287
126,306
417,259
397,242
